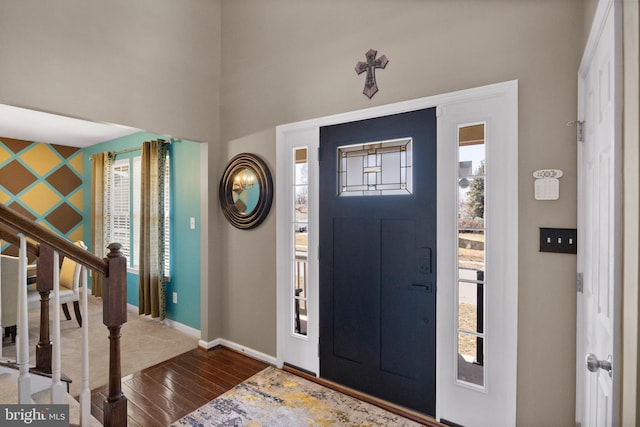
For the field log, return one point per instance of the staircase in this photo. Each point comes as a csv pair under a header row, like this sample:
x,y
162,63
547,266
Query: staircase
x,y
41,381
42,395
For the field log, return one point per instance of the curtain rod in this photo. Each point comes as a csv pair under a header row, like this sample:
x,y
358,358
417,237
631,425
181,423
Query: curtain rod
x,y
130,150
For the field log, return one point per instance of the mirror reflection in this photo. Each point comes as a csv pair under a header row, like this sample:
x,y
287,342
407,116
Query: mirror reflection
x,y
246,193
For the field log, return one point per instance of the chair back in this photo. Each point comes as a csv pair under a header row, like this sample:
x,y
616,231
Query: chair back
x,y
9,290
70,271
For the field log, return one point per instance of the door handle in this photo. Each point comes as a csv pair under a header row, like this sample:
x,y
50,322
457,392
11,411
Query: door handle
x,y
593,363
426,286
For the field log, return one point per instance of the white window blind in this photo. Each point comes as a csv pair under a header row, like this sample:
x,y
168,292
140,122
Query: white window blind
x,y
167,213
120,204
126,206
137,173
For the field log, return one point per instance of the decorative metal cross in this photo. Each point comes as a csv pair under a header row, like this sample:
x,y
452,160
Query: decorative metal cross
x,y
370,86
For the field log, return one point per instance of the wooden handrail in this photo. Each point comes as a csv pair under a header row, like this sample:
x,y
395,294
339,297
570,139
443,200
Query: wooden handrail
x,y
10,235
114,296
21,224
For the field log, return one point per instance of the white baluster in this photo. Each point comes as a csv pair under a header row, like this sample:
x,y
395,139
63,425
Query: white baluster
x,y
22,340
85,393
57,388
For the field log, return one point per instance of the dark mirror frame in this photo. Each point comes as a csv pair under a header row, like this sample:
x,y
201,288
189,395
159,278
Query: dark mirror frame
x,y
238,219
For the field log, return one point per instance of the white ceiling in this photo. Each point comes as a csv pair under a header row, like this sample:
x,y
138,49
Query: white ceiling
x,y
29,125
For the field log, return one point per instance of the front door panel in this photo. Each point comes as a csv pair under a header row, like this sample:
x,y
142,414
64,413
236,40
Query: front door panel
x,y
377,263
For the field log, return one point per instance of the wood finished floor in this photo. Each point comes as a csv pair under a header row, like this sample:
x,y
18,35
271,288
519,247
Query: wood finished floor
x,y
164,393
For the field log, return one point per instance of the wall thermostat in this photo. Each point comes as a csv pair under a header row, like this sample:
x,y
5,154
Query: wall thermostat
x,y
547,184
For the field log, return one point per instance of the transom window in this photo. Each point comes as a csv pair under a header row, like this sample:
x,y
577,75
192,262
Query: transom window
x,y
375,168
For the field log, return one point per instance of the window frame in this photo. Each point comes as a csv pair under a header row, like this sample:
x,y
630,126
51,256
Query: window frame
x,y
134,161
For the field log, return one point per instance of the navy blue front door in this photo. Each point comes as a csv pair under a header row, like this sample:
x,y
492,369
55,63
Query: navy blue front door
x,y
377,269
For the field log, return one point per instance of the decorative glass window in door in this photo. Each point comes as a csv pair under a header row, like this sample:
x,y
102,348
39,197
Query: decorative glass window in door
x,y
300,224
471,254
376,168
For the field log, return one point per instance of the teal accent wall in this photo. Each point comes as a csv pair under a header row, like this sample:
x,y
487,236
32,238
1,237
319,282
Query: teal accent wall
x,y
185,242
185,204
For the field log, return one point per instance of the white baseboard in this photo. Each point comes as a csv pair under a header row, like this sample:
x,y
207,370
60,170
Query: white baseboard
x,y
240,348
183,328
210,344
171,323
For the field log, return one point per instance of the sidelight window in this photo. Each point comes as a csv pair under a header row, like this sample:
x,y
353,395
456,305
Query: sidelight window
x,y
471,255
300,243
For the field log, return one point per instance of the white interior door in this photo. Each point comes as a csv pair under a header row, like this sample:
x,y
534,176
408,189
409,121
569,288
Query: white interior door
x,y
599,222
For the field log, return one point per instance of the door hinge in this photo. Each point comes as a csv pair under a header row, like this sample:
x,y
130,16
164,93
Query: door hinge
x,y
318,349
319,155
579,129
579,282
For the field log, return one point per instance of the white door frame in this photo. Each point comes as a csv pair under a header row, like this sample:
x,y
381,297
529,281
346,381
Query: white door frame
x,y
501,382
607,20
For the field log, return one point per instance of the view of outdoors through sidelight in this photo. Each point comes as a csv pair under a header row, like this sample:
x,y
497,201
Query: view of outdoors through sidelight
x,y
300,225
471,254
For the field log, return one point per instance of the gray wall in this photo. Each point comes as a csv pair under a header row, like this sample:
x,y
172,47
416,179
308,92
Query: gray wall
x,y
287,60
150,64
154,64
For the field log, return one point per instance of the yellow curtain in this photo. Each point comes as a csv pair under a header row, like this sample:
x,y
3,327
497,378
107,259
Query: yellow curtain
x,y
100,178
151,278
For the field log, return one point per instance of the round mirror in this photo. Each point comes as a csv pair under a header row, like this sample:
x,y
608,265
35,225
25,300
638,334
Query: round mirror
x,y
246,191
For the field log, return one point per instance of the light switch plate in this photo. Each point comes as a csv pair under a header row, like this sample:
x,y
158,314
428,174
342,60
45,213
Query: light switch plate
x,y
559,240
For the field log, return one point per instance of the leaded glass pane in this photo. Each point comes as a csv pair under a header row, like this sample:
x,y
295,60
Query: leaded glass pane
x,y
376,168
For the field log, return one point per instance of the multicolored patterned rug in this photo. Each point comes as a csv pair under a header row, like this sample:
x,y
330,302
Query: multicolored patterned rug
x,y
277,398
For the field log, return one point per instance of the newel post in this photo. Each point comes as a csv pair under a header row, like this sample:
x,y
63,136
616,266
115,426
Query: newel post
x,y
44,285
114,295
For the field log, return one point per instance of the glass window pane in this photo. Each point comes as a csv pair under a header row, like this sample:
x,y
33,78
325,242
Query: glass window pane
x,y
301,200
300,225
120,204
471,250
137,175
470,359
375,168
470,306
354,166
301,169
471,253
300,233
471,157
300,294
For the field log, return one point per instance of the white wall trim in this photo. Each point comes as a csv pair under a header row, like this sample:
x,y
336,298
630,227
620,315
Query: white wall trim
x,y
208,345
183,328
171,323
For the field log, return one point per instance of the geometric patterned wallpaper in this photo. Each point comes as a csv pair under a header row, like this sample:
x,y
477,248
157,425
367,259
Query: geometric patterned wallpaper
x,y
44,183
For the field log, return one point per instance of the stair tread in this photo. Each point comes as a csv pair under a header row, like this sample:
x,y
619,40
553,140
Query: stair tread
x,y
9,394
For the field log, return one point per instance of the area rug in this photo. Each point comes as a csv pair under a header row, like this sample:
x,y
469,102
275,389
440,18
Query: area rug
x,y
274,397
